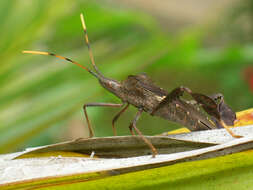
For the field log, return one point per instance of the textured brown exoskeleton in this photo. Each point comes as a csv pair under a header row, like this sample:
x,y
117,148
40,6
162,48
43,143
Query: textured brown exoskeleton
x,y
141,92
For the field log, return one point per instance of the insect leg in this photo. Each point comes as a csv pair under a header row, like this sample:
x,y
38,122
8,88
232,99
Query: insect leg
x,y
133,125
219,111
116,117
229,130
174,94
91,132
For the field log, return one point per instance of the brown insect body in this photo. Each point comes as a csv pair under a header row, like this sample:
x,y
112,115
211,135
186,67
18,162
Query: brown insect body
x,y
141,92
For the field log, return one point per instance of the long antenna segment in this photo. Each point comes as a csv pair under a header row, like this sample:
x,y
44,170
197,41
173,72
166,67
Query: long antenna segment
x,y
88,44
61,57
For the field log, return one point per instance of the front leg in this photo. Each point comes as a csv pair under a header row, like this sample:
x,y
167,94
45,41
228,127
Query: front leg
x,y
91,132
133,126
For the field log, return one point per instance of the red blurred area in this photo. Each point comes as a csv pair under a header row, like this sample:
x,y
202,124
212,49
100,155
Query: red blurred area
x,y
248,76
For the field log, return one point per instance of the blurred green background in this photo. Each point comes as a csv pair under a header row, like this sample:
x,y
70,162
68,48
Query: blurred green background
x,y
207,47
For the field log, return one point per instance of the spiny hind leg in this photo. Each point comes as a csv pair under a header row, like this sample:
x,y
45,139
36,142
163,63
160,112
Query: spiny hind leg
x,y
91,132
173,95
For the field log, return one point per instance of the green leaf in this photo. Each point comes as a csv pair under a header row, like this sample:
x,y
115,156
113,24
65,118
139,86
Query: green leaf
x,y
74,172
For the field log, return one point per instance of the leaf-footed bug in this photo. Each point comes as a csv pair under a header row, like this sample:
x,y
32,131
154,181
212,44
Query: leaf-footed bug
x,y
142,93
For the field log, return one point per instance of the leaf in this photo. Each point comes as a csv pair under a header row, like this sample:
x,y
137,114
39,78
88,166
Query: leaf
x,y
234,172
129,146
46,172
118,147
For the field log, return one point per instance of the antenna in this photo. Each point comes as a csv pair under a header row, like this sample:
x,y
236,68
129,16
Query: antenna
x,y
61,57
88,44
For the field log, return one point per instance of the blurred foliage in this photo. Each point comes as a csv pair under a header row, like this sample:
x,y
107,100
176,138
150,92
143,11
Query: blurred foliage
x,y
42,97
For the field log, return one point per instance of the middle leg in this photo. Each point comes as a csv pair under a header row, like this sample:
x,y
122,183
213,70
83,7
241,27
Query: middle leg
x,y
91,133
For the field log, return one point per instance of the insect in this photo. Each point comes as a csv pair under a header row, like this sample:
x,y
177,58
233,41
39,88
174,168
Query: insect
x,y
202,113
